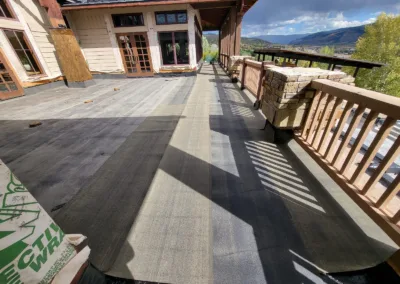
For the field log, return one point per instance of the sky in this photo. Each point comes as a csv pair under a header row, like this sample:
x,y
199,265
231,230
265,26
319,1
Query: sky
x,y
285,17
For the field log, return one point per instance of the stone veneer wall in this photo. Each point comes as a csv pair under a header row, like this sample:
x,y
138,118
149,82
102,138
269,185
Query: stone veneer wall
x,y
235,63
287,93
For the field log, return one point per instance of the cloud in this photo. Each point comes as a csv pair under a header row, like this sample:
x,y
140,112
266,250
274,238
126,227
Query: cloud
x,y
305,24
294,16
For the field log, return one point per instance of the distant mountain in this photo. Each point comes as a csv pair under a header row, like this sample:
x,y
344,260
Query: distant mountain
x,y
213,39
345,36
281,39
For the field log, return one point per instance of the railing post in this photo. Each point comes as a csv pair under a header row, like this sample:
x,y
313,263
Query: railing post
x,y
259,88
243,74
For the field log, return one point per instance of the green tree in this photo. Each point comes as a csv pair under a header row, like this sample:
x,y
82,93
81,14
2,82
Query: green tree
x,y
210,52
326,50
380,43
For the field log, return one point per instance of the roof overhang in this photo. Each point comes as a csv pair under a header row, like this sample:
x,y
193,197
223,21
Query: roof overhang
x,y
212,12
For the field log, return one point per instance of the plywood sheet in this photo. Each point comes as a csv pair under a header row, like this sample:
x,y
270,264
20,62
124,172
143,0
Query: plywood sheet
x,y
69,54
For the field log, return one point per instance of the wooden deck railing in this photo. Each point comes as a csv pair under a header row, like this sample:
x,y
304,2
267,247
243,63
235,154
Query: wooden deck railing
x,y
252,76
329,134
335,132
224,60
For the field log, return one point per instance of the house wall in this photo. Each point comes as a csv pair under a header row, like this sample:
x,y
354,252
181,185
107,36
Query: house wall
x,y
32,19
97,35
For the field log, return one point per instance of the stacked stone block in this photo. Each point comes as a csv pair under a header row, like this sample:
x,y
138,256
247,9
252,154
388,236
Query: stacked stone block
x,y
235,64
288,94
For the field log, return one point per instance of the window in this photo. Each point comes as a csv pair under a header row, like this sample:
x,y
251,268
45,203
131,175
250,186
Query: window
x,y
128,20
24,52
174,48
5,10
171,17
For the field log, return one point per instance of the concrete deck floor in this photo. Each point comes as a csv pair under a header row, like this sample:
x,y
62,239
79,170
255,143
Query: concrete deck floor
x,y
172,181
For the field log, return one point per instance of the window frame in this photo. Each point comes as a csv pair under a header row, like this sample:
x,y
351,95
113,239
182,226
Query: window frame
x,y
128,14
173,43
11,10
39,64
175,12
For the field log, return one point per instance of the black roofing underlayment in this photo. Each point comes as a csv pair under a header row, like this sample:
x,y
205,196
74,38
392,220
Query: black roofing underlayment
x,y
380,274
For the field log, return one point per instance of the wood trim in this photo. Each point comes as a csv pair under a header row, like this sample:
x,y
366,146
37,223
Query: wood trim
x,y
12,12
387,161
171,12
378,102
377,215
28,43
318,131
358,114
16,81
338,131
373,149
138,4
331,122
321,99
389,193
127,14
362,135
138,67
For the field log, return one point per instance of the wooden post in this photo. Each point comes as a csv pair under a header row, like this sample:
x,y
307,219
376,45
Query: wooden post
x,y
243,74
232,30
296,62
258,56
334,66
329,66
219,45
356,72
260,79
310,64
238,33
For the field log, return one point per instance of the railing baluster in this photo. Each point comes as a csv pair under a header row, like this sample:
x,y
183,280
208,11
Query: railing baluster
x,y
396,217
328,105
315,119
373,149
362,135
389,193
387,161
331,122
349,133
338,130
307,123
242,86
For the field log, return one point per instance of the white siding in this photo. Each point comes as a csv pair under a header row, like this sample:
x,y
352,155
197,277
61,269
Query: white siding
x,y
34,16
91,30
97,37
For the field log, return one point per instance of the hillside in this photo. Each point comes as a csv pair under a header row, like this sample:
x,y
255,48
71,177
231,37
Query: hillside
x,y
245,41
345,36
281,39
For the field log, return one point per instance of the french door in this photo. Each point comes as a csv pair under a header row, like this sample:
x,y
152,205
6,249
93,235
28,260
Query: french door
x,y
135,54
9,84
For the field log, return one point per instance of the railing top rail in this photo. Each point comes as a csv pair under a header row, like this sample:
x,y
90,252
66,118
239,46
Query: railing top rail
x,y
253,63
378,102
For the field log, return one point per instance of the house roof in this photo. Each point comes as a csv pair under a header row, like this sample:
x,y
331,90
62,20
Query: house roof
x,y
212,12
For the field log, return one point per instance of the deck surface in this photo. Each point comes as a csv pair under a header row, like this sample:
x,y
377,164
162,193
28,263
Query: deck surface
x,y
172,181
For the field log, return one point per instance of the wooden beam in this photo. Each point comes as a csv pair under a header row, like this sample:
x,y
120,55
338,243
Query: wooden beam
x,y
238,33
54,13
232,31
